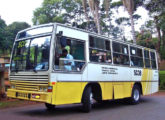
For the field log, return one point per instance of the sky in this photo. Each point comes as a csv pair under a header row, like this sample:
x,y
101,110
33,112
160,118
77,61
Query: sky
x,y
18,10
141,21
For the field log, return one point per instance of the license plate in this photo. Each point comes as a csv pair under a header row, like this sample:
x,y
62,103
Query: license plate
x,y
24,95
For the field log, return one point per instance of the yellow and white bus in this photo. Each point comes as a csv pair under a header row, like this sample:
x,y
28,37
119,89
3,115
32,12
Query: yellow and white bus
x,y
93,67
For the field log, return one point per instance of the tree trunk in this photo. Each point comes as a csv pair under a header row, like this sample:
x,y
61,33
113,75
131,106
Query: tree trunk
x,y
163,39
159,34
1,84
97,17
133,28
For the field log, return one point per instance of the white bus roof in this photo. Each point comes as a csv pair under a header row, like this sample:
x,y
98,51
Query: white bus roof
x,y
89,32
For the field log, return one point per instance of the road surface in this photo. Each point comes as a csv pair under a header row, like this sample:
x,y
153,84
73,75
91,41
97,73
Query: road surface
x,y
150,108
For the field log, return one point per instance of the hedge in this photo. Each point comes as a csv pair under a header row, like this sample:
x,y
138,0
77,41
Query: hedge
x,y
162,80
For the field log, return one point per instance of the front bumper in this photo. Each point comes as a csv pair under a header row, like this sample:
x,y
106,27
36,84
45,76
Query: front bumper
x,y
30,95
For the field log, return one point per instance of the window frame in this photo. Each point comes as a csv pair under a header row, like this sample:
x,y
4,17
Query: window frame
x,y
121,53
85,57
104,49
31,39
153,60
144,59
136,56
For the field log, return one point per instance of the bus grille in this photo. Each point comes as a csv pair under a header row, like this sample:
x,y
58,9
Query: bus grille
x,y
29,82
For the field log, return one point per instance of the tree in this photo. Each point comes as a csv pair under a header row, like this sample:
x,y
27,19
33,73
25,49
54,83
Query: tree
x,y
94,6
131,6
13,29
66,11
2,34
49,12
144,38
157,12
9,34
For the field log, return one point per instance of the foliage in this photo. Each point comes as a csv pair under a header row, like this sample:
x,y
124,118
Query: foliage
x,y
162,52
2,32
157,11
8,34
144,38
58,11
162,79
131,6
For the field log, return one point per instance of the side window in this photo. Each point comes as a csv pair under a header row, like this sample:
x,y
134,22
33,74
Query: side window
x,y
99,50
136,57
153,60
69,54
120,54
147,58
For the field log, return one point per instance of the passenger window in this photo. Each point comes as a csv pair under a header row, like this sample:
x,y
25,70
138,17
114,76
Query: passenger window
x,y
99,50
120,54
69,54
136,57
147,59
153,60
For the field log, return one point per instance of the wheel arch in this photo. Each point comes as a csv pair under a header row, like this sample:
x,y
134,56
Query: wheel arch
x,y
96,90
140,86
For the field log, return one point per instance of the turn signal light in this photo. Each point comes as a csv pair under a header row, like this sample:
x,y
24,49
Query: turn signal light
x,y
50,89
36,96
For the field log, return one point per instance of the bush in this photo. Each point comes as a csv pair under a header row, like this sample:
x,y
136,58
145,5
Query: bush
x,y
162,51
162,80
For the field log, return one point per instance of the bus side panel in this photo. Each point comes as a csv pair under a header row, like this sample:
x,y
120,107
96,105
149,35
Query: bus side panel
x,y
115,80
68,88
68,92
107,92
128,89
146,81
149,81
155,84
122,89
118,91
155,87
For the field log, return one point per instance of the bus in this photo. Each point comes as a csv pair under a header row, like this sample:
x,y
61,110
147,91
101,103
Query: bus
x,y
58,64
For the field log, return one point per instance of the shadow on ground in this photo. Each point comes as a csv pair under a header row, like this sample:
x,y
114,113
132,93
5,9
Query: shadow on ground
x,y
76,109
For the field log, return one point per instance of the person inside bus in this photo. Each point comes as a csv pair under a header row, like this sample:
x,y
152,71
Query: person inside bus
x,y
68,62
119,59
67,47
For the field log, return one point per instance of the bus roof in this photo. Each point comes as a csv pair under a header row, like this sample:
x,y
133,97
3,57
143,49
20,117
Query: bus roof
x,y
89,32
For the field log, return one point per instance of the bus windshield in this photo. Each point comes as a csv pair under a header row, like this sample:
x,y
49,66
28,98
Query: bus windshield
x,y
31,54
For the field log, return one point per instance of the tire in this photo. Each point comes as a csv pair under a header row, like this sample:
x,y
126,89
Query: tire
x,y
87,100
136,95
49,106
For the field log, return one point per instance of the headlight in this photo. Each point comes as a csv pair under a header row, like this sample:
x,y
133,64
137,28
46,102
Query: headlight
x,y
43,89
13,86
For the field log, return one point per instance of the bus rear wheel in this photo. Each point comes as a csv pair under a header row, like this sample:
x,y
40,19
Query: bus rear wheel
x,y
49,106
87,100
135,97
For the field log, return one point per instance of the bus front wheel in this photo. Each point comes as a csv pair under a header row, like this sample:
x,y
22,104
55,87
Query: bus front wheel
x,y
87,100
49,106
135,97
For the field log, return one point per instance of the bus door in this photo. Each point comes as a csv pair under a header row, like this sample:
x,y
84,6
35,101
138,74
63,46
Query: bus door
x,y
69,65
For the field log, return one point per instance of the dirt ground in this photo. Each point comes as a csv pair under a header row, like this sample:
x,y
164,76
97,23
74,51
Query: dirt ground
x,y
160,93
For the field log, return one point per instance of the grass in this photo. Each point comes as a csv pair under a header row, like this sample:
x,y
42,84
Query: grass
x,y
161,72
6,104
14,103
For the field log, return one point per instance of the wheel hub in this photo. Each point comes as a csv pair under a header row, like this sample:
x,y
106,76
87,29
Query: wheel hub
x,y
136,95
